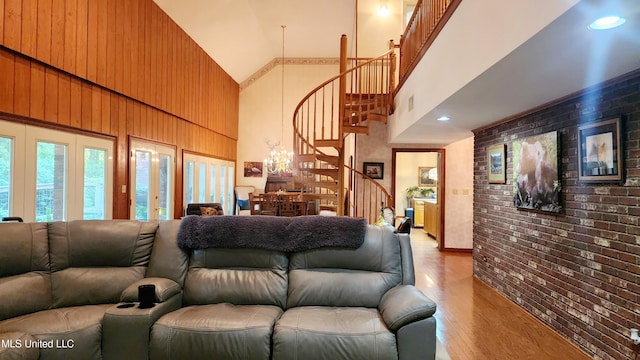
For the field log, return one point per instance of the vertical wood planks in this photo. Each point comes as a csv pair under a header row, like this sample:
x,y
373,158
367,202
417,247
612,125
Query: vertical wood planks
x,y
13,24
76,103
64,99
1,22
86,109
7,65
110,61
43,37
127,49
101,42
36,102
115,67
22,85
118,64
50,95
57,33
82,33
92,40
70,36
29,27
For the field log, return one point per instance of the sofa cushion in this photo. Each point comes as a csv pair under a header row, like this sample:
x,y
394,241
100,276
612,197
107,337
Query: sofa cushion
x,y
92,262
24,248
24,269
314,332
14,347
346,277
77,328
237,276
218,331
24,294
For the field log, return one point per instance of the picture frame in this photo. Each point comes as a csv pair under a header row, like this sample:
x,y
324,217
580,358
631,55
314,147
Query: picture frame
x,y
253,169
496,165
374,170
536,173
600,152
427,176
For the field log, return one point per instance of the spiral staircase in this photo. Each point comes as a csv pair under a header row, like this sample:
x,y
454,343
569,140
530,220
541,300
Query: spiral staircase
x,y
324,119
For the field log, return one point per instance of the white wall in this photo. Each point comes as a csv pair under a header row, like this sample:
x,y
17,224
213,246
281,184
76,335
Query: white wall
x,y
374,31
260,109
458,212
458,55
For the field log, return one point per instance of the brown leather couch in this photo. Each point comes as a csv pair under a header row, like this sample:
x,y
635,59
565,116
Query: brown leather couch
x,y
63,285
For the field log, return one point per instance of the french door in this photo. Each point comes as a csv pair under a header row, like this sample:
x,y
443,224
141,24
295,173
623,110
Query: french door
x,y
208,180
51,175
152,169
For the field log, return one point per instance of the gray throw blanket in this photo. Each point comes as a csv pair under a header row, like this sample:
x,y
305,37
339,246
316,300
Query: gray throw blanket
x,y
287,234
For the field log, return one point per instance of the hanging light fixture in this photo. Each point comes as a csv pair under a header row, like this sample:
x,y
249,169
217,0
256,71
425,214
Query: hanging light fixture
x,y
280,160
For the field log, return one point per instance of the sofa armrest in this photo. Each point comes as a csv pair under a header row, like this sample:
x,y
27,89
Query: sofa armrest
x,y
126,328
408,272
165,289
405,304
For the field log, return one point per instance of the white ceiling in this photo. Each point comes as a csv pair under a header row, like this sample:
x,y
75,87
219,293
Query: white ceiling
x,y
244,35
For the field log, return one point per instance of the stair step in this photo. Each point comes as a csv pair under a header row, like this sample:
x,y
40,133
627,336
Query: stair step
x,y
311,158
355,129
327,172
378,117
328,143
332,160
329,185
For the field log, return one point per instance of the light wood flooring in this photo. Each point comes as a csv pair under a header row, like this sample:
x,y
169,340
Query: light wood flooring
x,y
474,321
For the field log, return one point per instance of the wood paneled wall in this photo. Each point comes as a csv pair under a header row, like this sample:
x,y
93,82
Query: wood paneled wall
x,y
120,68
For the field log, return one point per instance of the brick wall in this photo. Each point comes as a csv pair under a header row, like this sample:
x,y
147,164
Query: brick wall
x,y
577,271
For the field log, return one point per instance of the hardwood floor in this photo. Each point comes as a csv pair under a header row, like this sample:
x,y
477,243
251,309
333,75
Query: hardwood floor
x,y
476,322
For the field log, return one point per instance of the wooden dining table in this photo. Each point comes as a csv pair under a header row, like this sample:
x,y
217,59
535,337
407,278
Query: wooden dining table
x,y
279,204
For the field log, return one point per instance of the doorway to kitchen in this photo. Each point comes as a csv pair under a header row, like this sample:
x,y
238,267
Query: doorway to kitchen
x,y
418,189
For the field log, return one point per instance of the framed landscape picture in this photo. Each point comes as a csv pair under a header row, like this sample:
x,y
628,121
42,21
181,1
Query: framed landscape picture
x,y
374,170
427,176
536,182
600,152
496,164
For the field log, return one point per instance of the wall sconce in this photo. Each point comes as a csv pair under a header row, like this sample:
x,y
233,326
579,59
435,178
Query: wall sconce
x,y
383,10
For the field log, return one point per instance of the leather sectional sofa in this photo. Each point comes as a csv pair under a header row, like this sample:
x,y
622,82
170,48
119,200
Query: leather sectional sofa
x,y
68,290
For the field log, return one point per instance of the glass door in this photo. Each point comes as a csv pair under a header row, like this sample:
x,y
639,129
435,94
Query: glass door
x,y
151,168
210,180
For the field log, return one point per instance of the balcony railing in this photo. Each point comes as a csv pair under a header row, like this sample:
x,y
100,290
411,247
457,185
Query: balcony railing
x,y
429,17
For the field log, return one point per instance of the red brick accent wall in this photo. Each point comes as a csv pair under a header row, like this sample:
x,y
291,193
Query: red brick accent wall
x,y
578,271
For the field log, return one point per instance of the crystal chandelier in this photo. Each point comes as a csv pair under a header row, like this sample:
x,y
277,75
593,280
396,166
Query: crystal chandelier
x,y
280,161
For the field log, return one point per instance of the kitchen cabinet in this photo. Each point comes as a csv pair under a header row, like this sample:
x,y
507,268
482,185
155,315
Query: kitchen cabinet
x,y
430,220
418,216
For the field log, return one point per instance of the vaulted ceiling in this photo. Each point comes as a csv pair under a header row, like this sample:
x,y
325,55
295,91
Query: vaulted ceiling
x,y
561,58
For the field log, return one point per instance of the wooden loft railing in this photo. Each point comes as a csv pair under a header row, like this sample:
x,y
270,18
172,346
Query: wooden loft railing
x,y
342,105
429,17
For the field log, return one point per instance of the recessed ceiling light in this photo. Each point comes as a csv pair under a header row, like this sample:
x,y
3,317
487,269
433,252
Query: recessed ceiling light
x,y
607,22
443,118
